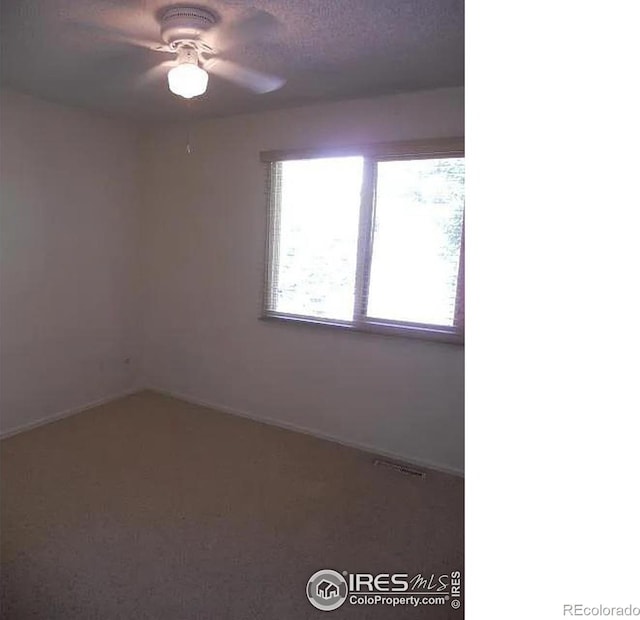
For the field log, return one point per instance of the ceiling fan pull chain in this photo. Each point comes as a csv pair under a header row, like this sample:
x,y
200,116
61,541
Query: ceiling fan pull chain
x,y
189,150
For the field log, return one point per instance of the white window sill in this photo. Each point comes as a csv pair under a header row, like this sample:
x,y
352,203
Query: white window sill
x,y
385,329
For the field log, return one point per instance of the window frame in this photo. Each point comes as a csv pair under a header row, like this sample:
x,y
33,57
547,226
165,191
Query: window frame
x,y
372,154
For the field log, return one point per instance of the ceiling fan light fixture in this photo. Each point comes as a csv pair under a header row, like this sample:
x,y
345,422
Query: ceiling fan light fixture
x,y
188,80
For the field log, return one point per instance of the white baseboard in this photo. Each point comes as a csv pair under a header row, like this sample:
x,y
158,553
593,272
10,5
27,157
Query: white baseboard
x,y
65,414
312,432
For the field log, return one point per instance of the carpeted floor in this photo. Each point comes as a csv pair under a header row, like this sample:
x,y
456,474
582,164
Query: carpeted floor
x,y
152,508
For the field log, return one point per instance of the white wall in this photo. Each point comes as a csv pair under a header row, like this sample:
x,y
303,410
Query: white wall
x,y
69,259
204,228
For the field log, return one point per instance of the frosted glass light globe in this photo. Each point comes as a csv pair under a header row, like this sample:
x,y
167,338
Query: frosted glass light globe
x,y
188,80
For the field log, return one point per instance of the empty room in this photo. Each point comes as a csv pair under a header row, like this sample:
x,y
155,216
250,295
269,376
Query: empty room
x,y
232,309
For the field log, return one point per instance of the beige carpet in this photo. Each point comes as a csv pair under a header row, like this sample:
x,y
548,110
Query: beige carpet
x,y
150,507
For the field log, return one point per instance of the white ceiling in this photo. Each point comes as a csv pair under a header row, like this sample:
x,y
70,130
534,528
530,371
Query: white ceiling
x,y
67,51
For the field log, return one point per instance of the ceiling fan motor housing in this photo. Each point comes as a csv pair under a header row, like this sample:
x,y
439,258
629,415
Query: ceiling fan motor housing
x,y
184,24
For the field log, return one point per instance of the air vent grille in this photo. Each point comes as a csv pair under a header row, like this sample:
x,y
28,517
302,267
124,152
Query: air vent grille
x,y
402,469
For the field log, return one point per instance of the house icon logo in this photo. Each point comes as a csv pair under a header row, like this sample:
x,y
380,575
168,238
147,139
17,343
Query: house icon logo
x,y
327,590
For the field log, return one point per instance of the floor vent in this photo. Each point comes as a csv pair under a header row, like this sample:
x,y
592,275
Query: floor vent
x,y
403,469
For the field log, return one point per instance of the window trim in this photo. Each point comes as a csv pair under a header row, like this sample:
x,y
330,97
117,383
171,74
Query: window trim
x,y
372,154
434,148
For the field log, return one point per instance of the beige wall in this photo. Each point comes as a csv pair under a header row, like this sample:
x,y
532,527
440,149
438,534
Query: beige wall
x,y
204,227
68,262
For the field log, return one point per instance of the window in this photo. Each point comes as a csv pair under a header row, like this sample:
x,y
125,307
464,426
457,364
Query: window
x,y
368,238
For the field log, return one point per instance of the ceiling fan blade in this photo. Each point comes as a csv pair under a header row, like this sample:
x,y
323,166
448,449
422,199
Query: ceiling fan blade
x,y
248,78
253,25
155,74
119,36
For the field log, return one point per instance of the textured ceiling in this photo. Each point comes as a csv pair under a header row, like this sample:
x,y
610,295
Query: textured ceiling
x,y
78,52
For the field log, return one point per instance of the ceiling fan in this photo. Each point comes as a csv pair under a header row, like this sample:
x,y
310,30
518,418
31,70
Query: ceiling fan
x,y
186,32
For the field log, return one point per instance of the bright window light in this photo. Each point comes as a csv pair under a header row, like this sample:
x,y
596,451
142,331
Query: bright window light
x,y
318,237
371,242
417,239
